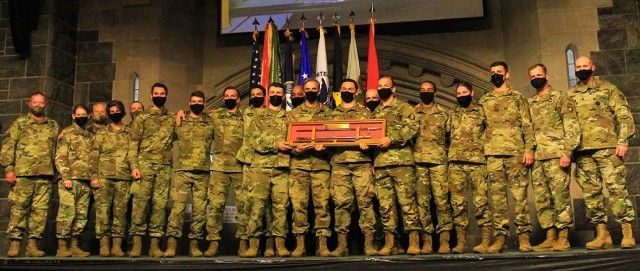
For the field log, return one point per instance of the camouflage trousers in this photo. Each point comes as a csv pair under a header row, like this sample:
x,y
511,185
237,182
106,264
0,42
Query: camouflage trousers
x,y
111,201
29,201
150,193
314,183
349,183
551,187
268,184
431,179
462,176
188,185
243,220
503,172
73,209
218,191
595,166
397,183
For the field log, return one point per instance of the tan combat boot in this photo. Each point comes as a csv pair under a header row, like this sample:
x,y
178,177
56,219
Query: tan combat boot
x,y
252,251
523,240
213,249
483,247
427,244
549,242
242,247
32,248
172,243
342,249
299,251
627,236
281,250
63,251
269,248
75,250
389,242
104,247
323,251
461,235
498,246
602,240
136,250
116,247
194,250
562,243
414,243
444,243
14,249
369,248
154,248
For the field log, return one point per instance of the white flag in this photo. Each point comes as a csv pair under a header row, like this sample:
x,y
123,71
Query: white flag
x,y
353,65
322,70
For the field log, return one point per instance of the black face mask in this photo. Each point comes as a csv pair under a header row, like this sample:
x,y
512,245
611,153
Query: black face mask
x,y
81,121
311,96
427,97
497,79
116,117
230,103
196,108
159,101
256,101
385,93
584,75
275,100
347,97
464,101
372,104
297,101
538,82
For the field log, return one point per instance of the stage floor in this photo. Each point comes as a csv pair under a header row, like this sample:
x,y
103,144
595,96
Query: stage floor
x,y
577,259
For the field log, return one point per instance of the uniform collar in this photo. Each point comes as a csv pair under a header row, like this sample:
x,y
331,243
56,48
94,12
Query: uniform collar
x,y
550,93
595,83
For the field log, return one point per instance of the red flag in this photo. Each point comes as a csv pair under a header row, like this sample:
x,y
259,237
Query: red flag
x,y
372,61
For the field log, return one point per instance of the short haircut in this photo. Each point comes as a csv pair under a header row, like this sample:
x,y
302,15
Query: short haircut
x,y
264,91
352,81
466,85
198,94
544,68
141,104
277,84
393,83
79,106
230,87
306,81
39,93
160,85
432,83
117,104
500,63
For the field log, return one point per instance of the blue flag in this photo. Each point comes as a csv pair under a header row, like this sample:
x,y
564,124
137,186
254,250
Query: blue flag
x,y
305,61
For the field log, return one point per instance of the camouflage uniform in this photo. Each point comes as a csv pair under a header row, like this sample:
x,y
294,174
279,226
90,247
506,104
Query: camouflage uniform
x,y
152,136
226,171
28,151
269,173
557,133
604,117
72,161
351,177
93,129
467,166
395,176
509,135
194,138
430,154
111,168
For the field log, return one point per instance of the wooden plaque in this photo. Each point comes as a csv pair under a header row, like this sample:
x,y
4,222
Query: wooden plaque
x,y
336,132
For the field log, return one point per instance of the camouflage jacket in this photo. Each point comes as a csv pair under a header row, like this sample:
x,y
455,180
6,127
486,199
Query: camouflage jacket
x,y
555,124
152,135
109,154
467,134
93,129
345,155
228,133
310,159
73,153
245,153
603,114
508,124
194,138
29,148
402,127
268,128
430,142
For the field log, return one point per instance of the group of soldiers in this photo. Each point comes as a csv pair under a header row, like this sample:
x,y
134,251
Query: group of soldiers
x,y
428,153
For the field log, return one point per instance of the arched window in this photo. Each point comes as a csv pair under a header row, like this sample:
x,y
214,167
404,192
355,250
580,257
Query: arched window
x,y
571,66
136,87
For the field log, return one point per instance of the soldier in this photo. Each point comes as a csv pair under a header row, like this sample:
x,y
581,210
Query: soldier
x,y
226,169
351,177
72,161
371,99
269,172
99,118
27,157
135,109
309,176
508,149
430,154
467,168
557,134
152,135
111,179
394,171
297,95
607,125
194,137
